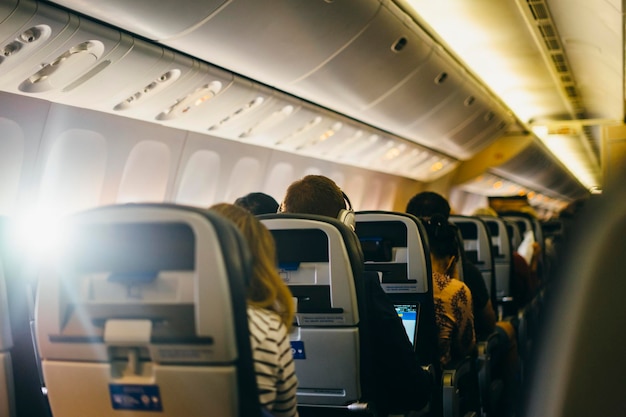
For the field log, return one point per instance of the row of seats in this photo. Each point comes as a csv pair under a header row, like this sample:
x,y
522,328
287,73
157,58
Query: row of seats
x,y
146,312
490,242
318,257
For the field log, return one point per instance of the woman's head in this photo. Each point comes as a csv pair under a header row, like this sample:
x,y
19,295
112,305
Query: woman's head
x,y
258,203
427,204
442,240
266,288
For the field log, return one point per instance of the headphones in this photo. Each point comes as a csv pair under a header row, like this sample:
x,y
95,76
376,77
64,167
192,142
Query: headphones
x,y
346,216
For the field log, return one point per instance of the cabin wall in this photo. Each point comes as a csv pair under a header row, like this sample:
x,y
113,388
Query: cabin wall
x,y
58,159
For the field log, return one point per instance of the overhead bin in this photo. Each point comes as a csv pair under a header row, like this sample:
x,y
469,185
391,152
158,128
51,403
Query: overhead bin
x,y
361,58
393,76
152,19
243,35
373,89
535,169
367,69
450,112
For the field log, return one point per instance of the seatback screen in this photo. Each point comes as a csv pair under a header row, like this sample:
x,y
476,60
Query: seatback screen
x,y
134,248
408,314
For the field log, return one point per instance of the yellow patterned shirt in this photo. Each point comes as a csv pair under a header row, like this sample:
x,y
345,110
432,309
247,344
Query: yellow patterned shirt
x,y
454,317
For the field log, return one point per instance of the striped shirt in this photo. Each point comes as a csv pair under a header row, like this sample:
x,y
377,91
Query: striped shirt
x,y
273,362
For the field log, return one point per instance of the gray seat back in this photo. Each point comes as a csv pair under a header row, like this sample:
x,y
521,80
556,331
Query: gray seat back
x,y
502,256
146,312
477,244
320,261
7,388
395,245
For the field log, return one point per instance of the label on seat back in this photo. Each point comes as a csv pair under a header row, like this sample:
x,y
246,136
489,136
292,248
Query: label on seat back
x,y
135,397
297,349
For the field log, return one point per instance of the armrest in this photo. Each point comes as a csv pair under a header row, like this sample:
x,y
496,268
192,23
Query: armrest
x,y
489,350
490,345
451,378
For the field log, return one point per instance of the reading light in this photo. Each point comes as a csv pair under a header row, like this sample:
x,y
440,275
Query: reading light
x,y
437,166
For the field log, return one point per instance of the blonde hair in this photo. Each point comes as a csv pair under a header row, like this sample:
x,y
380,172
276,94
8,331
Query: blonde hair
x,y
266,289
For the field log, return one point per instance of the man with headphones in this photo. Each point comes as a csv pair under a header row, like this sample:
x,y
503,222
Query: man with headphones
x,y
401,381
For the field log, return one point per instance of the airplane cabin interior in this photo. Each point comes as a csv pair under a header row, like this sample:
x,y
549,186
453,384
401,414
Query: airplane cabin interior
x,y
121,122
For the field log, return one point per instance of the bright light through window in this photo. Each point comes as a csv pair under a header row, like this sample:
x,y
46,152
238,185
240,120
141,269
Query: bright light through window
x,y
39,235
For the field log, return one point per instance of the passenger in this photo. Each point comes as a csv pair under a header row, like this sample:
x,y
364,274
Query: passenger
x,y
400,382
453,299
426,204
270,316
258,203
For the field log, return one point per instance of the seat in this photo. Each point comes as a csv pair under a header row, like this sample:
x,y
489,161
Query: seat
x,y
320,260
478,249
396,246
7,388
145,313
528,317
526,222
503,262
515,234
21,386
478,245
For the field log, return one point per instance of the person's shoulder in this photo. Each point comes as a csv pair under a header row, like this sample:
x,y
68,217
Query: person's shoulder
x,y
459,292
458,285
473,277
470,268
263,319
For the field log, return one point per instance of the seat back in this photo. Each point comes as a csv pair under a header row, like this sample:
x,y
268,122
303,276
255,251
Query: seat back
x,y
23,392
7,389
502,255
515,234
395,245
321,262
146,312
477,245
